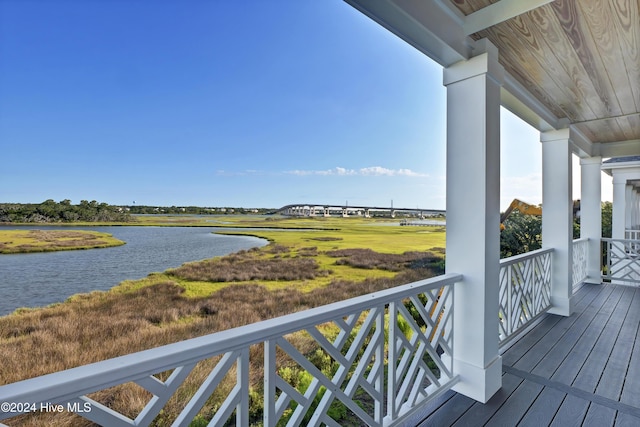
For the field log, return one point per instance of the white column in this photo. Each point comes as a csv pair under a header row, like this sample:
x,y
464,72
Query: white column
x,y
473,235
591,215
618,216
631,207
557,216
634,209
628,221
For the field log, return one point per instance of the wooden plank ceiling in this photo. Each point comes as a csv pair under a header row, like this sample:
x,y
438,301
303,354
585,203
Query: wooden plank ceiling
x,y
581,58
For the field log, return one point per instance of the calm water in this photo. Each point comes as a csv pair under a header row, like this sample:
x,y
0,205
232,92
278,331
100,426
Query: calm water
x,y
30,280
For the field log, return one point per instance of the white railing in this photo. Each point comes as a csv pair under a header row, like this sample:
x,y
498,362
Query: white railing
x,y
580,257
392,350
632,234
525,291
622,260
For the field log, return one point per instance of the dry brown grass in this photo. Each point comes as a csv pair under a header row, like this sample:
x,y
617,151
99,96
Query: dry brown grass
x,y
103,325
366,258
243,267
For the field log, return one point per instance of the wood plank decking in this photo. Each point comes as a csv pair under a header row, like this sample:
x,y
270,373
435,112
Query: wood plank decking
x,y
582,370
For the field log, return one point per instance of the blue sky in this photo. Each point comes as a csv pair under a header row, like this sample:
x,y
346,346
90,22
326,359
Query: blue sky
x,y
248,103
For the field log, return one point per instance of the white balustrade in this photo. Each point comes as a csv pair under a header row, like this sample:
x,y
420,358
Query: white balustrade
x,y
632,234
525,291
580,258
623,261
392,349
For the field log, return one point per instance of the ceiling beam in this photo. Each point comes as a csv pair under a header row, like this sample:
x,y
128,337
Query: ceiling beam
x,y
620,149
581,145
427,26
498,12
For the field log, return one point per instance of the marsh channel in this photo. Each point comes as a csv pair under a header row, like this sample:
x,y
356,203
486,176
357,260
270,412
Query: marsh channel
x,y
38,279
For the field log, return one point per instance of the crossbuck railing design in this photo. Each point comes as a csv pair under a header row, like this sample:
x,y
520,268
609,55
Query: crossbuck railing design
x,y
393,348
580,257
525,291
622,260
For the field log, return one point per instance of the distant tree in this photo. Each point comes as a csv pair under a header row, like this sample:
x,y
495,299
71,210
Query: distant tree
x,y
50,211
521,233
607,212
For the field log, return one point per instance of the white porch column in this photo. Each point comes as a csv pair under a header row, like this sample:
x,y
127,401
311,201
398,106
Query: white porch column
x,y
619,216
632,207
557,216
473,235
591,215
628,220
633,224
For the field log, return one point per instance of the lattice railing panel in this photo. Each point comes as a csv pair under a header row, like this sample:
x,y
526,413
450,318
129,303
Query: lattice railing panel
x,y
196,381
525,290
373,359
580,257
357,355
418,338
623,260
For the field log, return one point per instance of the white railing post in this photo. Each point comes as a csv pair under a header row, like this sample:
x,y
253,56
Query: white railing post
x,y
379,381
473,217
269,414
392,378
242,378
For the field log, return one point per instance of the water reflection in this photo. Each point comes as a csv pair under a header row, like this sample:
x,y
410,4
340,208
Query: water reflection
x,y
30,280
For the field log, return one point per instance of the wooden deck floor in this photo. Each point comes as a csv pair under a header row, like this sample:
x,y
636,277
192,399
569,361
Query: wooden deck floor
x,y
582,370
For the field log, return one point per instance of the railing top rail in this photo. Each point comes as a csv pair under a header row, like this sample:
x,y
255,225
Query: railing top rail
x,y
608,239
523,257
64,385
582,239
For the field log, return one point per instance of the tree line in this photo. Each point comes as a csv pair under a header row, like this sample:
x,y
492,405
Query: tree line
x,y
192,210
523,233
51,211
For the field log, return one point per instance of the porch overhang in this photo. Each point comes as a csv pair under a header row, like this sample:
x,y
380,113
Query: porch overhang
x,y
567,64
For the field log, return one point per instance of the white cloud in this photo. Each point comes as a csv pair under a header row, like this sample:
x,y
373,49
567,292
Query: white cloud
x,y
368,171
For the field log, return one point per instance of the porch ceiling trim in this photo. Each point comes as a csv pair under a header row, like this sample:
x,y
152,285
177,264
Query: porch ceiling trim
x,y
621,148
435,28
566,63
498,12
432,30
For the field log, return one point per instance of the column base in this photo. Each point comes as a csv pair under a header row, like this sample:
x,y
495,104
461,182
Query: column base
x,y
478,383
561,306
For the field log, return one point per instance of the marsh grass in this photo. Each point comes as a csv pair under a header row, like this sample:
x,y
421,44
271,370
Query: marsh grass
x,y
103,325
23,241
291,274
240,268
368,259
